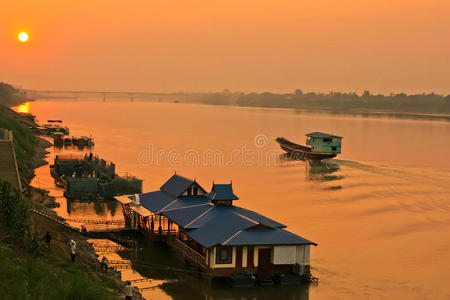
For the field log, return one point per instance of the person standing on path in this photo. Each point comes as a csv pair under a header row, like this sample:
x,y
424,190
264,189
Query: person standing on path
x,y
128,291
73,249
104,264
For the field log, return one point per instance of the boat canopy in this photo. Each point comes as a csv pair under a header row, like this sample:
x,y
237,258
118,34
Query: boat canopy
x,y
322,135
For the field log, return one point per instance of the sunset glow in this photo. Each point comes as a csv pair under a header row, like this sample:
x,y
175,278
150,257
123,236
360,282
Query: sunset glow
x,y
24,108
23,37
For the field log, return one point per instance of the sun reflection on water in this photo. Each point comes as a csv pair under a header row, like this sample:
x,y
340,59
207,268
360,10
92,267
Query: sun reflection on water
x,y
23,108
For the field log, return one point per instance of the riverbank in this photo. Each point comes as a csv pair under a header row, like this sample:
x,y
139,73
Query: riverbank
x,y
353,112
79,280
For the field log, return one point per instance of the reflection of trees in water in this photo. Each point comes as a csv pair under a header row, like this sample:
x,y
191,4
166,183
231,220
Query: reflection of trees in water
x,y
112,207
99,207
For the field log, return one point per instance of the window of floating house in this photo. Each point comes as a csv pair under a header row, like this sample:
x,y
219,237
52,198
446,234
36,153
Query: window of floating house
x,y
327,140
195,191
189,191
224,255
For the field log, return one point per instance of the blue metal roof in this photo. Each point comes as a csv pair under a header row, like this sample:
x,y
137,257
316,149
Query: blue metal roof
x,y
219,226
155,201
258,218
188,201
176,185
266,237
182,217
322,135
222,192
210,224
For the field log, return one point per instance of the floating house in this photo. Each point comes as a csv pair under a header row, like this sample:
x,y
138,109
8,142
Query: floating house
x,y
213,233
324,142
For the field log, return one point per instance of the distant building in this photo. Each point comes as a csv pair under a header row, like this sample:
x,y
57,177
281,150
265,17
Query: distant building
x,y
210,231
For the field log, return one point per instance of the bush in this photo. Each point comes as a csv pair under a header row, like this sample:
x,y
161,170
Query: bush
x,y
14,210
44,278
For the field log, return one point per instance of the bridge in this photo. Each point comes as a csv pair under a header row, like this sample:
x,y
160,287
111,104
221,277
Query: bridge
x,y
104,95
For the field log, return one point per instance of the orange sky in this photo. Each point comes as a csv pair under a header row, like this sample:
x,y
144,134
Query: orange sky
x,y
167,45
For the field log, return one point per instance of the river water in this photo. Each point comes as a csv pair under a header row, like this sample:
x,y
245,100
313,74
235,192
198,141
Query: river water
x,y
379,212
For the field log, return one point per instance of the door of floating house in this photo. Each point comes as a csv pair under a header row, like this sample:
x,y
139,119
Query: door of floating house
x,y
264,261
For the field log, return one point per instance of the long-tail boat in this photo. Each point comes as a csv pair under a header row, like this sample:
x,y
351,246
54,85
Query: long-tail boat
x,y
318,146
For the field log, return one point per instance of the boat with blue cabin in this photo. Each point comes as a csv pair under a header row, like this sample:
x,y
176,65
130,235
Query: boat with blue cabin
x,y
319,146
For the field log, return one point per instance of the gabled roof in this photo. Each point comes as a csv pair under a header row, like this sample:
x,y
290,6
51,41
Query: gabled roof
x,y
155,201
266,237
210,224
182,217
176,185
187,201
222,192
322,135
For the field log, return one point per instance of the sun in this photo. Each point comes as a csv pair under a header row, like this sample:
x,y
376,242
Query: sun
x,y
23,37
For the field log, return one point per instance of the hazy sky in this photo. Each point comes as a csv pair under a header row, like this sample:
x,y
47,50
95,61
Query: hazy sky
x,y
315,45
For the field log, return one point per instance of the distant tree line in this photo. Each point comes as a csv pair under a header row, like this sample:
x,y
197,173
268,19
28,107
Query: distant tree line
x,y
333,101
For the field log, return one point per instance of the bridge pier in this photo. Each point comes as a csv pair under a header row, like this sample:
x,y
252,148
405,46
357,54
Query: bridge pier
x,y
104,97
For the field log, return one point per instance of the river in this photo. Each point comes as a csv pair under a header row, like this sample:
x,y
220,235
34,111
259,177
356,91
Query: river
x,y
379,212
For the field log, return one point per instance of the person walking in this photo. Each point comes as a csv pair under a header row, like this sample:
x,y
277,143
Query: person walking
x,y
47,239
73,249
128,291
104,264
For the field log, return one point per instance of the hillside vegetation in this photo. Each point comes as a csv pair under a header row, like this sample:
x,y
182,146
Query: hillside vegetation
x,y
29,269
9,95
23,138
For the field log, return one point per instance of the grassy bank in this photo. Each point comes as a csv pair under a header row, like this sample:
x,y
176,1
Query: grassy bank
x,y
29,270
49,277
24,139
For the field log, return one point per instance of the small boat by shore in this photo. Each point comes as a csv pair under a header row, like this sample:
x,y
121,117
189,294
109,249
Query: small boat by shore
x,y
52,128
58,139
83,141
319,146
67,142
91,177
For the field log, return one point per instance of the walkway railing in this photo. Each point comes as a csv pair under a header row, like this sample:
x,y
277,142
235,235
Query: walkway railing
x,y
188,252
99,221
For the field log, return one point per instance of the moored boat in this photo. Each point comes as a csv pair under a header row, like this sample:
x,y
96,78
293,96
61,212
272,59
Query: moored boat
x,y
58,139
319,146
82,141
52,128
67,142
